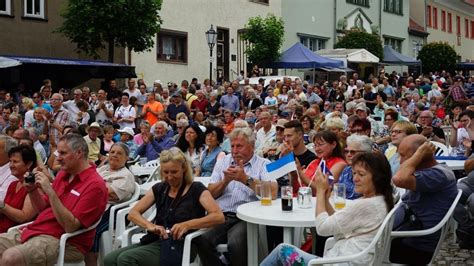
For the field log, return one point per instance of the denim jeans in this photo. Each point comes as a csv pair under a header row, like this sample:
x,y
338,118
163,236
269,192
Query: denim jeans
x,y
287,255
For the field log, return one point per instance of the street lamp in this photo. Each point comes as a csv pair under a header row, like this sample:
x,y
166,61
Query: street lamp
x,y
211,36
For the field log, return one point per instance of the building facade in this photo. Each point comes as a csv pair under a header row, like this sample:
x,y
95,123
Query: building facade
x,y
181,50
450,21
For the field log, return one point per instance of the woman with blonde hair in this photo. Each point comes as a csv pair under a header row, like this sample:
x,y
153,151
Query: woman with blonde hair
x,y
28,105
181,207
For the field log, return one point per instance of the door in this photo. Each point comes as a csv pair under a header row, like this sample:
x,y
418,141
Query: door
x,y
222,55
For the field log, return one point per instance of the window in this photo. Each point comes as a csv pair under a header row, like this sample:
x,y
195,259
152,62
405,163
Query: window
x,y
450,23
443,20
435,17
34,8
458,25
396,44
472,29
5,7
428,16
172,46
359,2
313,43
393,6
466,28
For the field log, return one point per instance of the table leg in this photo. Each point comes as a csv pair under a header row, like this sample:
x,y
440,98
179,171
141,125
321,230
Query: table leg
x,y
252,243
288,235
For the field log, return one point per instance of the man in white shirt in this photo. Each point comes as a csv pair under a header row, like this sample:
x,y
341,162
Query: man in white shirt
x,y
132,90
265,134
104,110
71,106
6,177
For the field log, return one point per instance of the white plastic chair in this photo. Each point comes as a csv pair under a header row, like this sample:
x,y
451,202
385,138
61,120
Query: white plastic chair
x,y
155,175
447,134
132,235
187,248
107,238
441,149
443,225
378,246
152,164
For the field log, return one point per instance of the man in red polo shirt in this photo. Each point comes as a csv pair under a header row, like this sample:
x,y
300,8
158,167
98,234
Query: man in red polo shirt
x,y
75,200
199,104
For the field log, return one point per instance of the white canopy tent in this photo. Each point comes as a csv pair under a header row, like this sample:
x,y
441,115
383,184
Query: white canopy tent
x,y
349,55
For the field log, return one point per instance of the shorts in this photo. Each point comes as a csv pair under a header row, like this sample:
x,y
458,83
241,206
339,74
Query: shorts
x,y
39,250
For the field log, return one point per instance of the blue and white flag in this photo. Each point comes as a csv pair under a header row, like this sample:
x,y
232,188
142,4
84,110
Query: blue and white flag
x,y
282,166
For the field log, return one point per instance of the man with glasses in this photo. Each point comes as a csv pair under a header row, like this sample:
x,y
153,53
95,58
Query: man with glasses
x,y
58,118
154,144
265,134
426,128
39,102
71,105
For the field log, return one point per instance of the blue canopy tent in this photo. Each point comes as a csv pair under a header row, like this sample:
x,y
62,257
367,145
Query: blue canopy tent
x,y
298,56
393,57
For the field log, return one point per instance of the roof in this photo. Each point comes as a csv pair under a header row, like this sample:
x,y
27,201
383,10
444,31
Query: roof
x,y
415,26
298,56
393,57
351,55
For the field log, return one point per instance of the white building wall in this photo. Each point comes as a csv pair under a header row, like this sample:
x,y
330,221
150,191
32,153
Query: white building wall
x,y
195,17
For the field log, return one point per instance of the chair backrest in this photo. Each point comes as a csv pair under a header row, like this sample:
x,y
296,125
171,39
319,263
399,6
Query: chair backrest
x,y
155,175
447,134
152,163
379,244
441,149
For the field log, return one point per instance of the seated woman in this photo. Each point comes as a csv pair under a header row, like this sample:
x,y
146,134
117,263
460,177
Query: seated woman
x,y
353,227
400,130
144,128
181,207
17,207
355,145
212,152
120,183
126,137
192,144
462,134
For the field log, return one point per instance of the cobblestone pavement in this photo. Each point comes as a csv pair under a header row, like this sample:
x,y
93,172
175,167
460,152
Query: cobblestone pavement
x,y
451,254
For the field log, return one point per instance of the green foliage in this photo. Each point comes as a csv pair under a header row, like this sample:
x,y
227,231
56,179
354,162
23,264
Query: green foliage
x,y
356,39
119,23
265,36
438,56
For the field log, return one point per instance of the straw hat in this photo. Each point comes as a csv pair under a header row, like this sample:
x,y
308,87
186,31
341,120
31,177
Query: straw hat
x,y
127,130
95,125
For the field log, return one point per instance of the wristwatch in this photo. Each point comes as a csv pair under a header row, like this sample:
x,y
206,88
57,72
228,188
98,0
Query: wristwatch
x,y
250,182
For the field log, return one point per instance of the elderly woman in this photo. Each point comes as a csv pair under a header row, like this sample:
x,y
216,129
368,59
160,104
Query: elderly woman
x,y
120,184
144,127
400,130
213,107
28,105
372,179
17,208
462,134
383,138
355,145
181,207
308,127
336,125
180,126
212,152
192,144
253,101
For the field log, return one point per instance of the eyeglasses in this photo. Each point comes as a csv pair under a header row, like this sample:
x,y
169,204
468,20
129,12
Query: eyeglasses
x,y
358,130
352,152
55,100
425,117
319,144
396,131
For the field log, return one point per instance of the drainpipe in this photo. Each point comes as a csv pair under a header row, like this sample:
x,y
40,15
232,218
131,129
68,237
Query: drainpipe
x,y
380,18
335,23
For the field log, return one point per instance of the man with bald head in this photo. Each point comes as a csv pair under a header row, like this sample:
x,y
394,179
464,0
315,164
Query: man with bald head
x,y
431,189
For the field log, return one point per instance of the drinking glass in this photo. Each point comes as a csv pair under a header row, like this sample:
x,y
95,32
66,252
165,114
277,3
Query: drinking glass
x,y
339,196
287,198
264,192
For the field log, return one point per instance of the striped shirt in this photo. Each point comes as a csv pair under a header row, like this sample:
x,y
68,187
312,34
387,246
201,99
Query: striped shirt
x,y
237,193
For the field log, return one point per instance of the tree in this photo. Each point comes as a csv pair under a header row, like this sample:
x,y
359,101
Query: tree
x,y
438,56
265,36
356,39
119,23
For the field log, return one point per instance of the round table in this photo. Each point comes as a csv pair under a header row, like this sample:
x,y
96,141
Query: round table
x,y
453,164
256,214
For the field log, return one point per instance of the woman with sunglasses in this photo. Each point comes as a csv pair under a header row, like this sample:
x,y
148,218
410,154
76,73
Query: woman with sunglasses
x,y
181,207
399,131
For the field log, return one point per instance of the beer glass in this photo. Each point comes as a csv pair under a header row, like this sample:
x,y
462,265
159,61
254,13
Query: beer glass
x,y
287,198
339,196
264,192
304,197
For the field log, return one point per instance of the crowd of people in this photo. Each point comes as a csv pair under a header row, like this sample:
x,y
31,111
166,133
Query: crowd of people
x,y
64,154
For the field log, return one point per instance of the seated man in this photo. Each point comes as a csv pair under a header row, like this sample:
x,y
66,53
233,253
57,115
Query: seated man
x,y
431,189
463,214
75,200
233,182
426,128
153,144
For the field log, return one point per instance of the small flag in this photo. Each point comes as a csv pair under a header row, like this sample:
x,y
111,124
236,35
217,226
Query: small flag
x,y
282,166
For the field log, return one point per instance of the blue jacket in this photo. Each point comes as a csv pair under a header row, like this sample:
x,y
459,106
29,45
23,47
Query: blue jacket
x,y
153,149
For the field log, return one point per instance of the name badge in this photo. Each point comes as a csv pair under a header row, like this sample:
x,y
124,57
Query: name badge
x,y
75,193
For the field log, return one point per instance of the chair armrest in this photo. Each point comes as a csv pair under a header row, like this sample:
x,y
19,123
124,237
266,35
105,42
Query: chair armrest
x,y
329,244
187,245
127,235
66,236
348,258
18,226
120,225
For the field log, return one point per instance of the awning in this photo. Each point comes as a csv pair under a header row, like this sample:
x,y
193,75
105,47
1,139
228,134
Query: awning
x,y
337,69
67,73
392,57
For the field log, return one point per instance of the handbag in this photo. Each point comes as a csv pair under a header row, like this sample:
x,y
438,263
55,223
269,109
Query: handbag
x,y
410,221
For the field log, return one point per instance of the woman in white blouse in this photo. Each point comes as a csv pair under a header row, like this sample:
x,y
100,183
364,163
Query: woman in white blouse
x,y
356,224
191,143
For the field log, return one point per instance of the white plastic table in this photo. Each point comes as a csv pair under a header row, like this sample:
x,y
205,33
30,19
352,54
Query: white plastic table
x,y
255,214
453,164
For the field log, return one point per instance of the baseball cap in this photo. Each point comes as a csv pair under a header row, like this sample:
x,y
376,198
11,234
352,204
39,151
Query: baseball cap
x,y
281,122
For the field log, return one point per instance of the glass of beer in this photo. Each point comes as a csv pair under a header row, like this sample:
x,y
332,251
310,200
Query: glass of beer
x,y
264,192
287,198
339,196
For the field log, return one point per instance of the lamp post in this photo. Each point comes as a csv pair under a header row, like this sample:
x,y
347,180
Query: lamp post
x,y
211,36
